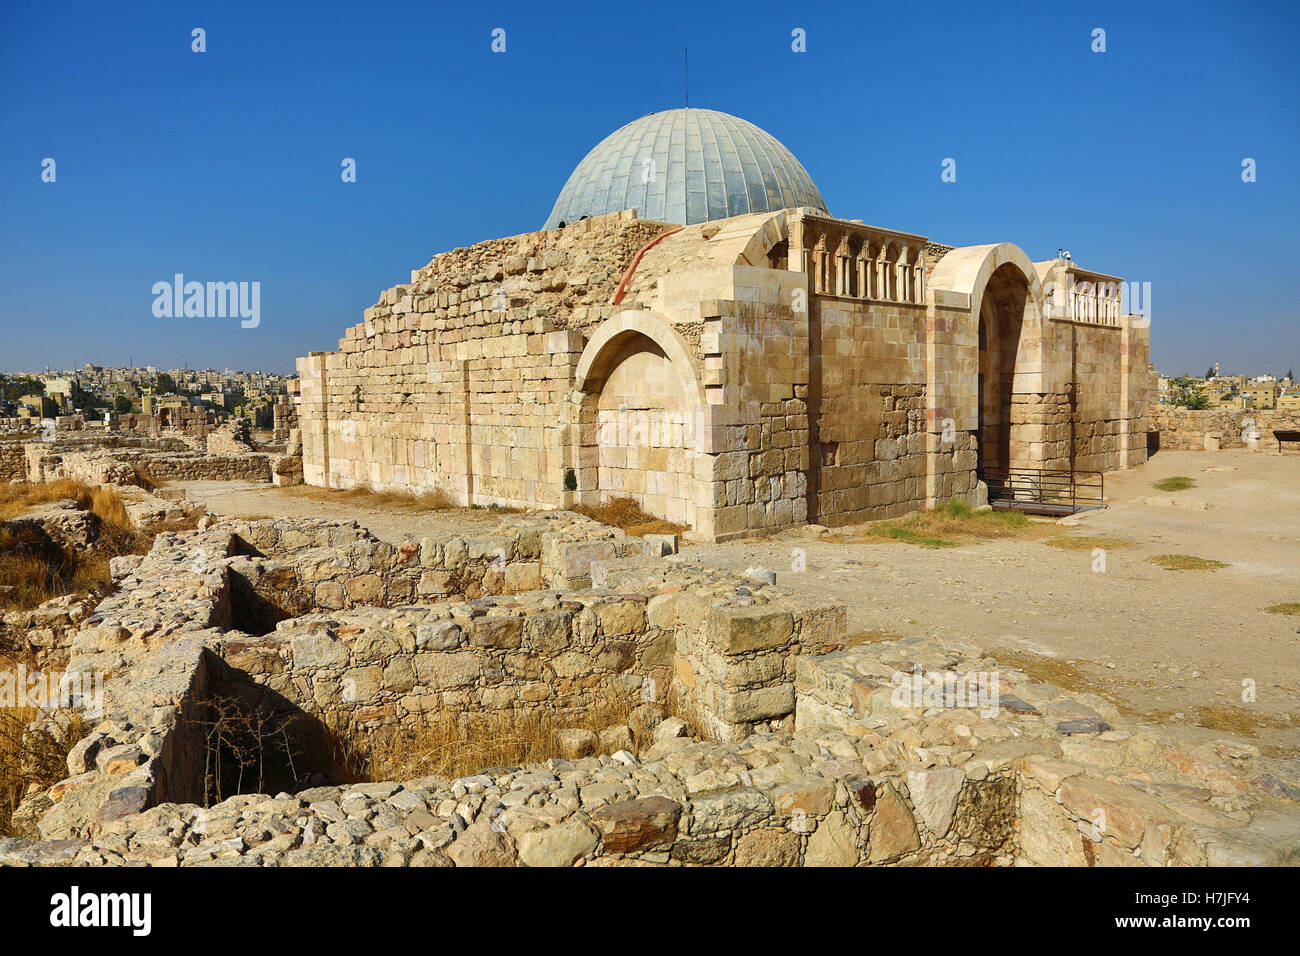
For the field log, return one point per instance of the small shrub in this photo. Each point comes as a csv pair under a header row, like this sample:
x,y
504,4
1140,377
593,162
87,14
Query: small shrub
x,y
30,758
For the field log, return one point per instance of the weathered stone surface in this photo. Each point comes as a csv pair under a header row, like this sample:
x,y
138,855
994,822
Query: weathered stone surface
x,y
833,843
893,831
637,824
561,845
934,795
481,845
1048,837
768,846
727,811
1118,811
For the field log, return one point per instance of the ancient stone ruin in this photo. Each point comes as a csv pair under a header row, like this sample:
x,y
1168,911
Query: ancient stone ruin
x,y
809,752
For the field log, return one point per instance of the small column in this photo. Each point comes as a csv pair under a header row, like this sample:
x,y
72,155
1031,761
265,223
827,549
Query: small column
x,y
822,260
864,272
842,266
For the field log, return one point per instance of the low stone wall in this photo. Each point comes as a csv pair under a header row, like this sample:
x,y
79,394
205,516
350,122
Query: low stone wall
x,y
13,460
1184,429
737,641
1088,787
553,651
207,467
315,564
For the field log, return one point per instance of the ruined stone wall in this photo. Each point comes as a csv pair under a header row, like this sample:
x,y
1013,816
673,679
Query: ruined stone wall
x,y
232,438
284,418
554,651
13,460
456,381
1184,429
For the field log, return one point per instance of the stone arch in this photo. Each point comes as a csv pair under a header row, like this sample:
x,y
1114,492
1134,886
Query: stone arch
x,y
640,407
768,236
1007,333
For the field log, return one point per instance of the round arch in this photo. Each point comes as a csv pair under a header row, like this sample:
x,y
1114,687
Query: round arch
x,y
639,404
1006,332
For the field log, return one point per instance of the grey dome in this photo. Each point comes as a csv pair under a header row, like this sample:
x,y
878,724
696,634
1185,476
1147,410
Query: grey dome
x,y
706,165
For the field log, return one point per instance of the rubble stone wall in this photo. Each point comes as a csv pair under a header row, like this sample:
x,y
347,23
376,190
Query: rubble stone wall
x,y
558,651
1185,429
13,461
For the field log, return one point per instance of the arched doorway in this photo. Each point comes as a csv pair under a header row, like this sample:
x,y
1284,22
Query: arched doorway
x,y
637,428
1001,326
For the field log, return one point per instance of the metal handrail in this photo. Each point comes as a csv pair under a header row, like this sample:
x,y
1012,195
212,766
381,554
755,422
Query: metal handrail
x,y
1045,486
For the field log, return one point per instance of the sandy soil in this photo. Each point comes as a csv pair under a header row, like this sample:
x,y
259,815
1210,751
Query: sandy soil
x,y
1171,645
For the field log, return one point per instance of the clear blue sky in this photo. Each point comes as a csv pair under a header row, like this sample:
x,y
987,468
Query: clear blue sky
x,y
225,165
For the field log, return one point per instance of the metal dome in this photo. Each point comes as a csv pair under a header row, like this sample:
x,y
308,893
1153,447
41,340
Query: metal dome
x,y
686,166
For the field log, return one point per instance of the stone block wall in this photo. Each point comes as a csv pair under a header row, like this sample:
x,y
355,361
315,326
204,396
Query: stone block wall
x,y
13,460
1110,385
1186,430
455,381
553,651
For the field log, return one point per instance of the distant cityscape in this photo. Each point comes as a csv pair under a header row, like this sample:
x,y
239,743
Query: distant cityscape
x,y
98,392
1215,390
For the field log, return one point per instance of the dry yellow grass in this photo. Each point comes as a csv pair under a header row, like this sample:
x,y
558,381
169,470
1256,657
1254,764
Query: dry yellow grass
x,y
627,515
871,637
30,760
33,570
950,525
367,497
1086,543
455,745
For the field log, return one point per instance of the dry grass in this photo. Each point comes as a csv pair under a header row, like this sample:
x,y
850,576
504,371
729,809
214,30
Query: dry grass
x,y
1070,543
1289,607
1239,720
30,760
627,515
952,524
455,745
870,637
34,570
367,497
1185,562
1177,483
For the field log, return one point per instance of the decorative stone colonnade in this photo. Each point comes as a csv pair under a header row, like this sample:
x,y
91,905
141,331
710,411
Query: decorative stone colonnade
x,y
757,373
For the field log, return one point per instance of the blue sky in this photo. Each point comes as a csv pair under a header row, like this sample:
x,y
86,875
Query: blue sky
x,y
225,165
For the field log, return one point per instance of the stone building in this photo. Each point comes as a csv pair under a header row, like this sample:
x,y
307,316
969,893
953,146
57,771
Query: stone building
x,y
744,361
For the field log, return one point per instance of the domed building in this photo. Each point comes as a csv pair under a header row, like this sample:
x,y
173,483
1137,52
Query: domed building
x,y
686,166
694,330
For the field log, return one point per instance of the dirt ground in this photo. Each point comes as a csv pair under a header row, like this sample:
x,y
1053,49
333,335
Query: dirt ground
x,y
1172,646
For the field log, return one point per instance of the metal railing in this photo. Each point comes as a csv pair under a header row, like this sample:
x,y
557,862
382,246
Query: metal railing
x,y
1051,491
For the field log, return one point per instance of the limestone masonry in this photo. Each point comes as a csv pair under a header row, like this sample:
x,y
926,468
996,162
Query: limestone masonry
x,y
734,375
